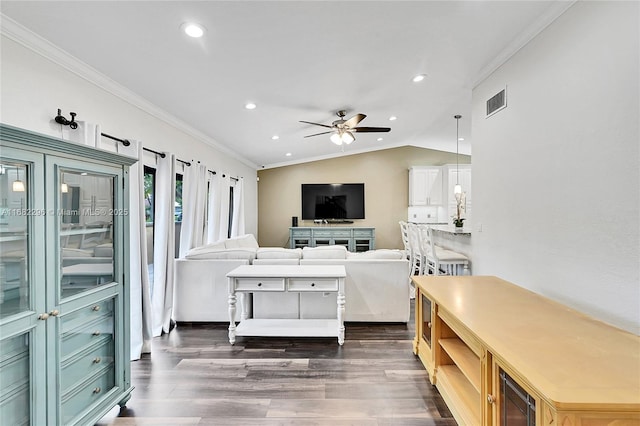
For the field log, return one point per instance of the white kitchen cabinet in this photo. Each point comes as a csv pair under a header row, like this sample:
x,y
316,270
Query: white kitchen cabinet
x,y
425,186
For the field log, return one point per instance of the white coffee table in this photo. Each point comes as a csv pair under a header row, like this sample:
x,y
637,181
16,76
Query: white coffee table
x,y
286,278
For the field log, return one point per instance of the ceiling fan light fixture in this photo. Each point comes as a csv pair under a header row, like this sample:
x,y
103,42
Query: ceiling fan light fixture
x,y
336,138
347,137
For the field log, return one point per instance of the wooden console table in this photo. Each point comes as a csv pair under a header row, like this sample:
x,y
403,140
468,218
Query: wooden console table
x,y
487,343
286,278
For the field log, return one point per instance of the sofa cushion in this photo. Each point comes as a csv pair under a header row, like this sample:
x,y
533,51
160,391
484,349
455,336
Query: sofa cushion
x,y
324,252
278,253
377,254
243,241
221,253
218,245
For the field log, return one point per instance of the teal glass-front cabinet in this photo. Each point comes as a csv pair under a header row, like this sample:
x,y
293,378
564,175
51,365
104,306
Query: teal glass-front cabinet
x,y
64,287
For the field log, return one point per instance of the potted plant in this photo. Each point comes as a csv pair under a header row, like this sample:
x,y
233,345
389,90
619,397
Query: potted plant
x,y
460,207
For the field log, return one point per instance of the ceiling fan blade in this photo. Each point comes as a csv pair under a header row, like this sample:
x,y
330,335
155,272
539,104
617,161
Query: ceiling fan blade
x,y
316,134
353,121
317,124
370,129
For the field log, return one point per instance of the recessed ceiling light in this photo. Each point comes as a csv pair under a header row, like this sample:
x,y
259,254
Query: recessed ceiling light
x,y
193,30
275,137
379,139
250,105
288,154
393,118
460,139
418,78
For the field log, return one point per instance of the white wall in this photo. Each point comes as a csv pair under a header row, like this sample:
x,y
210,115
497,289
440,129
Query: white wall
x,y
555,174
33,88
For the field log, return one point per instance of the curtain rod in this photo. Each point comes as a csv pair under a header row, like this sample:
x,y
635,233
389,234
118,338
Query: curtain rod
x,y
125,142
187,163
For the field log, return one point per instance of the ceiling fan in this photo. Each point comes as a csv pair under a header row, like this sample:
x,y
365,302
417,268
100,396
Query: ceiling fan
x,y
342,130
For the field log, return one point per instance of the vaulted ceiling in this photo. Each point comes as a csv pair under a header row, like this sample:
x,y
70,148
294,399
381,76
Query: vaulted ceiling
x,y
297,60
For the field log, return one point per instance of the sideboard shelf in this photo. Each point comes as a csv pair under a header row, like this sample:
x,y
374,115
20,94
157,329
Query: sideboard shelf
x,y
485,341
355,239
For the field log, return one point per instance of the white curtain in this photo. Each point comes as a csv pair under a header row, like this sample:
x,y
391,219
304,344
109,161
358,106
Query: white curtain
x,y
86,134
237,224
194,195
140,295
164,245
223,199
213,219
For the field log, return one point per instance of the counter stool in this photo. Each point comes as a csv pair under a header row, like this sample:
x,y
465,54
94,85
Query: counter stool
x,y
439,261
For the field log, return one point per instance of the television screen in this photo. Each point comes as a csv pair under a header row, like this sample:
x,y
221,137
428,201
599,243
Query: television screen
x,y
332,201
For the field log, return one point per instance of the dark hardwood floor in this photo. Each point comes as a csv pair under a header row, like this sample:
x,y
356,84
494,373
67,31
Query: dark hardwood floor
x,y
195,377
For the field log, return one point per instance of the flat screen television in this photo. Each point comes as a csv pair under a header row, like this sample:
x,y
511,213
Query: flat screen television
x,y
332,201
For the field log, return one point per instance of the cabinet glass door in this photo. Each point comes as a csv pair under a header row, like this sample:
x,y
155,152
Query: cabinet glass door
x,y
15,376
426,320
517,407
22,315
15,217
86,221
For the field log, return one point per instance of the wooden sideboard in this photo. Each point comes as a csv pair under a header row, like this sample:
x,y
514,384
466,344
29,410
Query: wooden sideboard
x,y
486,342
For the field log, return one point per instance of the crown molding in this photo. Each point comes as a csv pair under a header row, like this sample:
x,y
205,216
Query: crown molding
x,y
528,34
27,38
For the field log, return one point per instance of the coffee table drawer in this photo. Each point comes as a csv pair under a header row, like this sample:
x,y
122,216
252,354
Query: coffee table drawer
x,y
311,284
259,284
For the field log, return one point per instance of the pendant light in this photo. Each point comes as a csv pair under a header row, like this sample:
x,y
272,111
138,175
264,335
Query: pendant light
x,y
18,184
457,189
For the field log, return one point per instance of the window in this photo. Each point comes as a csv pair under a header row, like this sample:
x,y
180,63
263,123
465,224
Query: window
x,y
149,193
149,214
178,201
230,211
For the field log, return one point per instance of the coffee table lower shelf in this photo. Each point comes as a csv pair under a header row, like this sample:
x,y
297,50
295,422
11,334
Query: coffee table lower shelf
x,y
288,327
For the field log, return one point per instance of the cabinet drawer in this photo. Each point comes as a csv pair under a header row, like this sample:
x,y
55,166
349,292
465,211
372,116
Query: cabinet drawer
x,y
81,316
259,284
311,284
366,233
301,233
92,331
333,233
83,397
87,363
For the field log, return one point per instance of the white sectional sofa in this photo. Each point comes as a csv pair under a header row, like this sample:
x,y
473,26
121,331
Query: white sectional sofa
x,y
376,287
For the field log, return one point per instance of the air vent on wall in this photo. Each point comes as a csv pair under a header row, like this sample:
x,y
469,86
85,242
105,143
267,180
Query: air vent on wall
x,y
497,102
